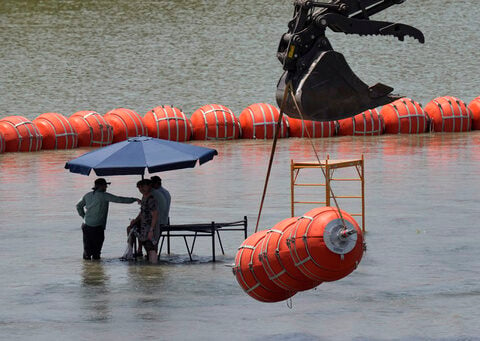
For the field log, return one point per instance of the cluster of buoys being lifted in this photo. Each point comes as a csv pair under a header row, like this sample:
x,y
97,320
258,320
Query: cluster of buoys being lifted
x,y
297,254
217,122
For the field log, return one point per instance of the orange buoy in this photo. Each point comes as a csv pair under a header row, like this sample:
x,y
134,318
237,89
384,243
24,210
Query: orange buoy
x,y
404,116
251,275
126,123
20,134
258,121
474,107
92,129
313,129
277,262
322,248
215,122
57,131
168,123
2,142
449,115
368,122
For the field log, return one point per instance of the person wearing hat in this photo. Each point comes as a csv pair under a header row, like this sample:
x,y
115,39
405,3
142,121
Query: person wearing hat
x,y
93,208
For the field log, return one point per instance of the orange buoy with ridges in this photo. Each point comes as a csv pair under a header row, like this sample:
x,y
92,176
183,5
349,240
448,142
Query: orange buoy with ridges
x,y
215,122
449,115
259,121
404,116
322,247
126,123
20,134
57,131
168,123
251,275
92,129
474,107
368,122
277,262
313,129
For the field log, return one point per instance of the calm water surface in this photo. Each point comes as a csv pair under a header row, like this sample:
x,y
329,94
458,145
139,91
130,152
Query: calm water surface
x,y
419,279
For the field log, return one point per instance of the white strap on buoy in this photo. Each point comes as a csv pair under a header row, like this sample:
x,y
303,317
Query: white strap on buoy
x,y
66,134
226,113
37,136
133,119
20,138
246,247
266,122
101,124
461,114
373,131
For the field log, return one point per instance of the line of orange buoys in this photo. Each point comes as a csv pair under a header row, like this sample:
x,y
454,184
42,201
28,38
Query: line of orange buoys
x,y
217,122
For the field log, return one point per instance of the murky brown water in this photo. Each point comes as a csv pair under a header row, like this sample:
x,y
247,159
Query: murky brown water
x,y
419,278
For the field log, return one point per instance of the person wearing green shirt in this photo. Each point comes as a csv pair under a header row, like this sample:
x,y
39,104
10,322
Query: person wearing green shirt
x,y
93,208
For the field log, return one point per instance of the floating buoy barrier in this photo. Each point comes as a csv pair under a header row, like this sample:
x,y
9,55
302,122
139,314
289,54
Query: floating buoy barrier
x,y
259,121
325,244
251,275
449,115
322,248
215,122
313,129
20,134
57,131
474,107
404,116
277,262
126,123
168,123
367,123
92,129
2,142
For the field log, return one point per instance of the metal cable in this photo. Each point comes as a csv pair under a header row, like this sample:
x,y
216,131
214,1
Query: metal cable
x,y
318,159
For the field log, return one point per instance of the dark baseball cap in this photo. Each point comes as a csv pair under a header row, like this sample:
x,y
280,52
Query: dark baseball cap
x,y
101,182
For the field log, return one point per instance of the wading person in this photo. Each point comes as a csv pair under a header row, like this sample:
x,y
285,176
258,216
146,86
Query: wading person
x,y
93,208
160,193
146,224
163,198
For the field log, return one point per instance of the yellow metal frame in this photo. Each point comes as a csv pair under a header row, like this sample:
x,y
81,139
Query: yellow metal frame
x,y
329,166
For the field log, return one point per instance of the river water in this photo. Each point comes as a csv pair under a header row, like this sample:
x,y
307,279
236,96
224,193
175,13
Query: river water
x,y
419,279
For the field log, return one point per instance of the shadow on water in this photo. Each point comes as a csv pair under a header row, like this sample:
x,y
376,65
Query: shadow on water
x,y
146,283
96,291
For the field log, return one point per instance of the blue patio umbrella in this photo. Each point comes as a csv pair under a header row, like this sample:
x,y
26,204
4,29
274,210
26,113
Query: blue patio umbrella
x,y
132,156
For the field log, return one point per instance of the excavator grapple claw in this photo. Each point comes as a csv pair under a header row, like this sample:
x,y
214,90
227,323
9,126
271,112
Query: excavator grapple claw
x,y
323,86
329,90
